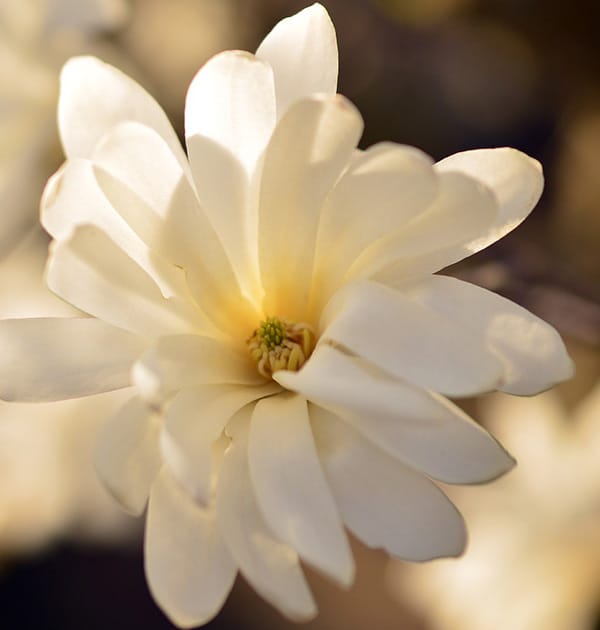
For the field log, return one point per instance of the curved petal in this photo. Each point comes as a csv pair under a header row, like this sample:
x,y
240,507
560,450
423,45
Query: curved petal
x,y
138,174
231,100
532,352
195,420
410,340
72,198
309,149
54,358
515,178
383,502
177,362
188,567
290,487
91,272
302,50
462,209
94,97
425,431
383,189
271,566
127,456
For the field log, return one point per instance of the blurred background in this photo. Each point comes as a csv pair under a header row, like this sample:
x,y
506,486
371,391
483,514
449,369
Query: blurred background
x,y
443,75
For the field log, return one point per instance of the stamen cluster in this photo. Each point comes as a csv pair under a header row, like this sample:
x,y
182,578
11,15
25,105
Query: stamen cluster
x,y
280,345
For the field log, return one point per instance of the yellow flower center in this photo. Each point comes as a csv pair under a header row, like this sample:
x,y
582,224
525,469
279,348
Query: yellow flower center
x,y
280,345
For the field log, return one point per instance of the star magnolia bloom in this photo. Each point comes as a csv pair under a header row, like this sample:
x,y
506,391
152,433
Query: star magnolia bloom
x,y
271,299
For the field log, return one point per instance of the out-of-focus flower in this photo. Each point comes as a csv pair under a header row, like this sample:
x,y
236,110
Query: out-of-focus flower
x,y
48,488
36,36
271,298
533,561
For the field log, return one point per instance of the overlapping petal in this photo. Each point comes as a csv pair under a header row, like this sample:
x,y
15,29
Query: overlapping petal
x,y
270,565
413,425
384,502
91,272
46,359
194,421
188,566
291,489
515,178
128,456
410,340
94,97
324,132
177,362
302,50
532,352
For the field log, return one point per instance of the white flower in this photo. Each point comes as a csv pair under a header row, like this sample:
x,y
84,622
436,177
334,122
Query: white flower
x,y
36,36
275,228
533,561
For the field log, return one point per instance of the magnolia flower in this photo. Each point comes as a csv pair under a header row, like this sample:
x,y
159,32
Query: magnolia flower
x,y
533,561
270,301
36,36
48,488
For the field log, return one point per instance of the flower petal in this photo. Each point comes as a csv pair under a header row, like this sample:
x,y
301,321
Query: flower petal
x,y
271,566
232,101
91,272
423,430
532,352
127,456
385,503
94,97
138,174
50,359
180,361
290,487
302,50
195,420
410,341
462,209
383,189
72,197
188,567
516,179
323,132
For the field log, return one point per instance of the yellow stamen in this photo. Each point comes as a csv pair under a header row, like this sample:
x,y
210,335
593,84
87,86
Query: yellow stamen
x,y
280,345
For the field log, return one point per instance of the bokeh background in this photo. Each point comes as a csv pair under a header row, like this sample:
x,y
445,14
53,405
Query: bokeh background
x,y
443,75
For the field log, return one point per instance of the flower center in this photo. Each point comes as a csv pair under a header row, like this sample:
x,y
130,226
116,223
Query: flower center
x,y
280,345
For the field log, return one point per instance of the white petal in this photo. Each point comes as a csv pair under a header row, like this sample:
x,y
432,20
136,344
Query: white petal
x,y
425,431
138,174
385,503
290,487
94,97
55,359
310,148
232,101
302,50
383,189
72,197
188,567
462,209
410,341
515,178
180,361
532,352
195,420
271,566
91,272
127,456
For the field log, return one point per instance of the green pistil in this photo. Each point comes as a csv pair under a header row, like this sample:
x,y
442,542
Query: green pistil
x,y
271,333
